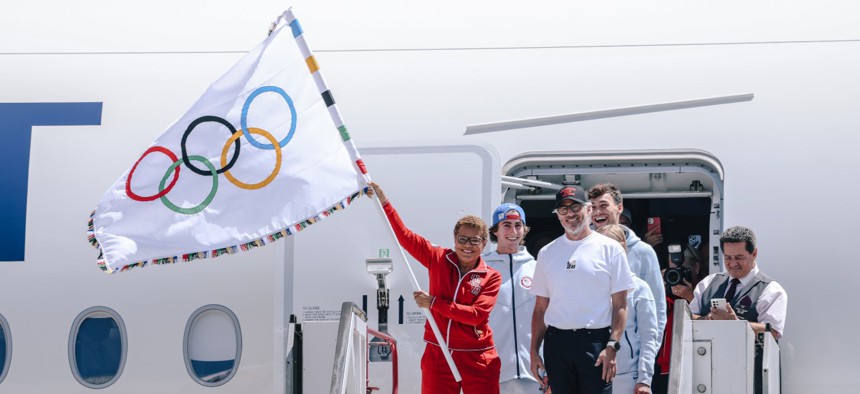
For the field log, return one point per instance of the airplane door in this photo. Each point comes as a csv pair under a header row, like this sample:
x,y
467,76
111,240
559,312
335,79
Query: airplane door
x,y
684,188
431,187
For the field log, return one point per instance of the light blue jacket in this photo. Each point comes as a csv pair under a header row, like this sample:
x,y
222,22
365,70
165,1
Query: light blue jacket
x,y
641,342
511,318
643,263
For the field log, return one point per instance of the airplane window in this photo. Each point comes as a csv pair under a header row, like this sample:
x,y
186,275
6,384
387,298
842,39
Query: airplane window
x,y
213,344
5,348
97,347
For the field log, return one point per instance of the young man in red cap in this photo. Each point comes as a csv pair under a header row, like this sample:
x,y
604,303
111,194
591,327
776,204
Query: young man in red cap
x,y
512,316
462,293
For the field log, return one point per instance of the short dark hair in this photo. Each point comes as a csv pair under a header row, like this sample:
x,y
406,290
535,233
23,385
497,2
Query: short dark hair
x,y
603,188
739,234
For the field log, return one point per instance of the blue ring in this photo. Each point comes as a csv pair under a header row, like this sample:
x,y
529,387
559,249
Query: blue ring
x,y
244,119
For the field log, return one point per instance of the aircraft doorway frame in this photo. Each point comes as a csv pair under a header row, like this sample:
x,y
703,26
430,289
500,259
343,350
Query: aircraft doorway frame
x,y
640,174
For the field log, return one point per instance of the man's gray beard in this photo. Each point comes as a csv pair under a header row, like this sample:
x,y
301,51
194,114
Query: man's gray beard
x,y
581,228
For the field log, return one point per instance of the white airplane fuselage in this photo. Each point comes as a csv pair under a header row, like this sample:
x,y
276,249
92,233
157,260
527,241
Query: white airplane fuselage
x,y
87,87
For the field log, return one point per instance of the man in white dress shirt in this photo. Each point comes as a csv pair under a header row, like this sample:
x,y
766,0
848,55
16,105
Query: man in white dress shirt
x,y
750,295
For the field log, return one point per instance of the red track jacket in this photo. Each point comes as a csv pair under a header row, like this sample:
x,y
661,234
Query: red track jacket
x,y
461,306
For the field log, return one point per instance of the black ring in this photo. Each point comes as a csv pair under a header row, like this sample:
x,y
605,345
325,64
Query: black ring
x,y
194,124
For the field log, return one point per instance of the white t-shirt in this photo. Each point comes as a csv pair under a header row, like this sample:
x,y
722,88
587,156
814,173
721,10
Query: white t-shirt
x,y
579,278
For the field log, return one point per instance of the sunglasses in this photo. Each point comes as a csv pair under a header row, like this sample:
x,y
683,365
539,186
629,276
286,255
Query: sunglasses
x,y
470,240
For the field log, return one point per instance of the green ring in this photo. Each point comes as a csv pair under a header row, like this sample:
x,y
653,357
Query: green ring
x,y
202,205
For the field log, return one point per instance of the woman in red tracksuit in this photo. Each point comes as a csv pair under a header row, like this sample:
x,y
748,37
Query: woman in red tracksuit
x,y
463,291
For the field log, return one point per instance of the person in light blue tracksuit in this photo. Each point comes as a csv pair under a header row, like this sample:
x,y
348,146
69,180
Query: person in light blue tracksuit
x,y
608,206
643,263
641,341
511,318
639,346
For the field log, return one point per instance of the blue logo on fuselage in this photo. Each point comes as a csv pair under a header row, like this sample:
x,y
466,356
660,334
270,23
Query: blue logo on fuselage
x,y
16,125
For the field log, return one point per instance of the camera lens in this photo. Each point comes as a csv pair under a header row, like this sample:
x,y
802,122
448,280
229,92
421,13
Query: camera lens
x,y
673,277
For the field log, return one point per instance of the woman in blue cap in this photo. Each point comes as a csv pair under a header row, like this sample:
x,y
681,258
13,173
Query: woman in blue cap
x,y
511,318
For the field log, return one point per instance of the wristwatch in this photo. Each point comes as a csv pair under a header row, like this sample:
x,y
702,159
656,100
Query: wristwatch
x,y
615,345
767,327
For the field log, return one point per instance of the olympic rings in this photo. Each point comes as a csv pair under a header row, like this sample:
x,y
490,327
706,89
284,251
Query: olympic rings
x,y
243,121
161,193
202,205
191,127
264,182
226,165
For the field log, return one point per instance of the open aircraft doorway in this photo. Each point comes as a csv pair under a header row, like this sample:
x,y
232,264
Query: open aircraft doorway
x,y
680,190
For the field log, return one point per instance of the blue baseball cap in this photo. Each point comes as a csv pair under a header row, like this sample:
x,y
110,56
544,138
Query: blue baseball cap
x,y
502,213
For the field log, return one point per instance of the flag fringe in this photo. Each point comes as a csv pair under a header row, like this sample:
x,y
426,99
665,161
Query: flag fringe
x,y
263,241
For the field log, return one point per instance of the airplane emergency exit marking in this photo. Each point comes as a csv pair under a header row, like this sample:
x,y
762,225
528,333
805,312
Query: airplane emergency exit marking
x,y
400,310
16,127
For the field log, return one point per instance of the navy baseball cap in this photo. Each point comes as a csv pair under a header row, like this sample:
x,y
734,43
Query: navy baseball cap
x,y
503,212
574,193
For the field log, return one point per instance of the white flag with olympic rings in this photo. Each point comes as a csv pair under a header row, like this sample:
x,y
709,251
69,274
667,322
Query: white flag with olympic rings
x,y
262,154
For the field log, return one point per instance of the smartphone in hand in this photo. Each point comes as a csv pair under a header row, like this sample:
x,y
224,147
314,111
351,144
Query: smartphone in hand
x,y
719,303
654,225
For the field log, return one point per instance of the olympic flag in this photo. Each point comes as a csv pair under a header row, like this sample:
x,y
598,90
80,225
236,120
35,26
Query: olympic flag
x,y
262,154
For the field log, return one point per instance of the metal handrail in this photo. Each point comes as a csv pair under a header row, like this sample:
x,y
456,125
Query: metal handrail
x,y
393,343
345,328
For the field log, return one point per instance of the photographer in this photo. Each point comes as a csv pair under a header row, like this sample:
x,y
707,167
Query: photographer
x,y
681,278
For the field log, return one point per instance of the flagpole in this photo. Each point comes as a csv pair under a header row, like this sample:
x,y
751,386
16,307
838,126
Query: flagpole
x,y
415,286
350,146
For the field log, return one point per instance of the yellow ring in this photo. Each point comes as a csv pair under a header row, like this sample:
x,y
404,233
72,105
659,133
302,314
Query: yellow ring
x,y
264,182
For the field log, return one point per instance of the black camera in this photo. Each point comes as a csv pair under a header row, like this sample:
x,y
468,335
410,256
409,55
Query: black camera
x,y
676,276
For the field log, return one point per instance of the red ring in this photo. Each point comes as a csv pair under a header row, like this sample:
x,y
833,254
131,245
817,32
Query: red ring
x,y
161,193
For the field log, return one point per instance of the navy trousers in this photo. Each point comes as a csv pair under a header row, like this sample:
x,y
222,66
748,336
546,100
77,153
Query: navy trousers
x,y
569,357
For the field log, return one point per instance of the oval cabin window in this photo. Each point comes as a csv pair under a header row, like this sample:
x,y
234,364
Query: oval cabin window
x,y
5,348
213,345
97,347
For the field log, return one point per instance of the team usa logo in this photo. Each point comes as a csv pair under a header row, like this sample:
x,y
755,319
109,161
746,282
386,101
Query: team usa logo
x,y
510,215
526,282
475,282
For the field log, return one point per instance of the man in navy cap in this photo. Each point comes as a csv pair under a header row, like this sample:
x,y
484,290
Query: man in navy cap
x,y
581,282
511,318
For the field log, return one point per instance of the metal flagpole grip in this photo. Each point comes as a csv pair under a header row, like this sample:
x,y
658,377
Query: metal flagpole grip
x,y
416,287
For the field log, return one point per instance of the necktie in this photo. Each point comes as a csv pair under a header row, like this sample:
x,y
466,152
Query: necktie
x,y
730,293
